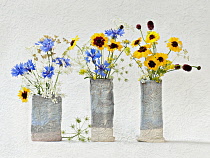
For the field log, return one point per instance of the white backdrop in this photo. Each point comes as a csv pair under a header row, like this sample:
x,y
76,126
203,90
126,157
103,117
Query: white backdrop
x,y
186,110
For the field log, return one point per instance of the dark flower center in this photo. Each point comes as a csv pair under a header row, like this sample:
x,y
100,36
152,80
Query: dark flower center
x,y
113,45
160,59
151,64
72,42
136,42
99,41
151,37
101,67
174,44
24,95
142,49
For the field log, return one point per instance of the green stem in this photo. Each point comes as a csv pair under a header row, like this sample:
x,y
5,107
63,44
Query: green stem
x,y
85,62
108,74
56,80
48,59
29,81
38,82
139,65
142,36
119,55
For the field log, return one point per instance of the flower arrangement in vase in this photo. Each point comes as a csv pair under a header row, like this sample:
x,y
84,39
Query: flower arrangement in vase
x,y
153,64
40,76
99,60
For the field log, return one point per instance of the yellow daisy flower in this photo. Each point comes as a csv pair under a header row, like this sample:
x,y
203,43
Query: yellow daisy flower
x,y
174,44
151,63
152,36
73,43
143,51
23,94
99,40
136,42
161,57
114,45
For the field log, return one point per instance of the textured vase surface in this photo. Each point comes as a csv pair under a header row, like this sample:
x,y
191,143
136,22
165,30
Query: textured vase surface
x,y
151,127
46,119
102,110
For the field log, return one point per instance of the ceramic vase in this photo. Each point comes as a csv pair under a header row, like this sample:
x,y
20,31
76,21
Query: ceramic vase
x,y
151,126
102,110
46,119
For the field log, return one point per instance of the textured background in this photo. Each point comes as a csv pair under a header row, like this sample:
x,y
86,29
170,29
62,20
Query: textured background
x,y
186,110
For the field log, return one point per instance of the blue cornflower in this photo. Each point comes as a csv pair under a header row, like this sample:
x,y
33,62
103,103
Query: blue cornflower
x,y
102,68
29,66
46,44
48,72
18,70
114,33
62,61
93,54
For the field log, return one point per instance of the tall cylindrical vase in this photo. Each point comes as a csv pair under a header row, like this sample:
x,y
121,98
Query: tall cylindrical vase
x,y
151,127
46,119
102,110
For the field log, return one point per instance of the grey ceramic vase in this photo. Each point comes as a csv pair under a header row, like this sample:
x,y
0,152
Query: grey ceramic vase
x,y
151,127
46,119
102,110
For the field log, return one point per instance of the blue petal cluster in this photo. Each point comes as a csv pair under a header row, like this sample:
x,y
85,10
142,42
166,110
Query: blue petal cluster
x,y
46,44
93,54
102,68
48,72
62,62
114,33
18,70
29,66
22,68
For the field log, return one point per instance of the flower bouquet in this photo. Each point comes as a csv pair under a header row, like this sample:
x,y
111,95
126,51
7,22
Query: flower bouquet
x,y
153,65
41,78
41,73
99,61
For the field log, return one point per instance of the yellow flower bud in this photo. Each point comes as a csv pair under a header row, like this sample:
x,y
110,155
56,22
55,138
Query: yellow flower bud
x,y
126,41
82,71
127,51
94,77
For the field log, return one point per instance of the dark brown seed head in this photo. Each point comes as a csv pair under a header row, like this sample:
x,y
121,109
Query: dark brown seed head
x,y
199,67
187,67
150,25
121,26
177,66
138,26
